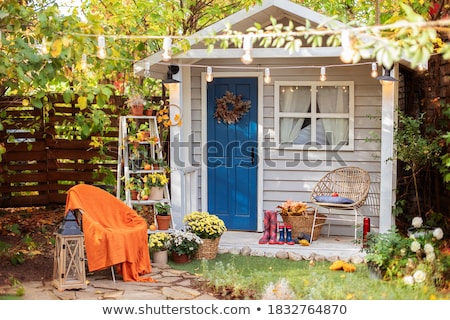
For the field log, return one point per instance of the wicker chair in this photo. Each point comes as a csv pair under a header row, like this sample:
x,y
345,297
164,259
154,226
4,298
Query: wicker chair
x,y
345,188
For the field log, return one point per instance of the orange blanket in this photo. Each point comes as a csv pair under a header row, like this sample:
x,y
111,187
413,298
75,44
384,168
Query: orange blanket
x,y
114,234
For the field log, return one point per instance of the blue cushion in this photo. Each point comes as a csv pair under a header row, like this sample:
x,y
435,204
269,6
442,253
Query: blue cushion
x,y
331,199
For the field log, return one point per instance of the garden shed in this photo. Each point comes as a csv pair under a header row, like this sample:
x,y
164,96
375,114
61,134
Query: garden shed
x,y
290,118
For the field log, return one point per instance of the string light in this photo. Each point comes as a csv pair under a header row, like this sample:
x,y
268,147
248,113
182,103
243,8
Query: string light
x,y
44,49
421,67
323,75
348,53
147,69
374,72
167,45
267,76
209,75
84,62
247,46
101,51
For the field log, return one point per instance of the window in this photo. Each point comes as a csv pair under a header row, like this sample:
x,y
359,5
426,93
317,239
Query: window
x,y
316,114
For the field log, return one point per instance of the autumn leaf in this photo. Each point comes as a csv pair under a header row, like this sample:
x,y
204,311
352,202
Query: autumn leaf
x,y
82,102
56,48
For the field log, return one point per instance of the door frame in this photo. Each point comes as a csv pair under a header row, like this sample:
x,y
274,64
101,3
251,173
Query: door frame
x,y
260,139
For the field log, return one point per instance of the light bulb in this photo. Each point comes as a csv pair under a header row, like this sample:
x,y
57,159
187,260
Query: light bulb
x,y
83,62
44,49
167,45
348,52
247,46
267,76
147,69
101,51
247,57
323,75
374,72
421,67
209,75
347,55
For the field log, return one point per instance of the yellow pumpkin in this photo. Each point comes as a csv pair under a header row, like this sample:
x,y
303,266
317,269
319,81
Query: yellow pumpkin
x,y
348,267
304,242
337,265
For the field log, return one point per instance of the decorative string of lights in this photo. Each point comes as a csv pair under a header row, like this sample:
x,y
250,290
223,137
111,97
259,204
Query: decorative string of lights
x,y
346,37
266,70
360,31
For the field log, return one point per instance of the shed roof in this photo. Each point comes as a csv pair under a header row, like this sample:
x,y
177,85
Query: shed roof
x,y
283,11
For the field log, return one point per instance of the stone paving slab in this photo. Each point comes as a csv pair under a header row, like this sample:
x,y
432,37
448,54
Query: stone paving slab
x,y
171,285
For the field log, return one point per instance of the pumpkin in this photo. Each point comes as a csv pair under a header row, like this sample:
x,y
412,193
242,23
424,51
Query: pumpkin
x,y
348,267
303,242
337,265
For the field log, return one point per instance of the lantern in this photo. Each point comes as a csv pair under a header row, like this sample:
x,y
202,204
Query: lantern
x,y
69,263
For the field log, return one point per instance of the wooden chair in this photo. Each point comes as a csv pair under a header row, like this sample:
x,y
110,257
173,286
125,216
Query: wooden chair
x,y
345,188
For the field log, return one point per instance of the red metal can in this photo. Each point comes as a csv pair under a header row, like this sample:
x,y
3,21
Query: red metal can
x,y
366,229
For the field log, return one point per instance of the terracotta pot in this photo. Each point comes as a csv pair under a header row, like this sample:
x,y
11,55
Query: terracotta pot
x,y
137,110
156,193
134,194
148,112
160,257
180,258
163,222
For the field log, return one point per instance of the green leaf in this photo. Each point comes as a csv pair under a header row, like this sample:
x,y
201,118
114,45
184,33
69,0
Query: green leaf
x,y
67,96
36,102
410,14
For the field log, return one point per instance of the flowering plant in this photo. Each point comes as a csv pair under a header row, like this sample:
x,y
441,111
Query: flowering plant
x,y
184,242
156,179
205,225
415,259
293,208
159,241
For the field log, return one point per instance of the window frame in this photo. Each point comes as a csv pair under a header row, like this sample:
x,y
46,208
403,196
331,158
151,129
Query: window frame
x,y
314,115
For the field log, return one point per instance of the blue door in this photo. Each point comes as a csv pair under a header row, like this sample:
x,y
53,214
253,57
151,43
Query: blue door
x,y
232,156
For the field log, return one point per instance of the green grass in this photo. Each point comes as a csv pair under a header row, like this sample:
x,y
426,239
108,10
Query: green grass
x,y
248,277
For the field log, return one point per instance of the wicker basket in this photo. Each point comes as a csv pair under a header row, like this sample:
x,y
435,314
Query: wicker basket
x,y
208,249
304,224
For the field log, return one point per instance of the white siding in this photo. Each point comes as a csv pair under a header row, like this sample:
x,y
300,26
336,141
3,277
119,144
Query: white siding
x,y
293,174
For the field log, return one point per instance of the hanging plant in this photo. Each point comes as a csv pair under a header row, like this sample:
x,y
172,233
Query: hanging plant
x,y
238,108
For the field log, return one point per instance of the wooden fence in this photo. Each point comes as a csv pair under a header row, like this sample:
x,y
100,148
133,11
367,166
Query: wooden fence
x,y
39,166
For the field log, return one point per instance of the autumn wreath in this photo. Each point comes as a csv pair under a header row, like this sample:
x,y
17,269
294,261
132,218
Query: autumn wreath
x,y
229,116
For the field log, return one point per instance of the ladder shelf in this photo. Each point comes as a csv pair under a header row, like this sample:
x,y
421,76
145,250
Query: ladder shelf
x,y
140,160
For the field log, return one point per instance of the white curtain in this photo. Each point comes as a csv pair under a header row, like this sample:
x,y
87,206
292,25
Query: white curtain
x,y
334,100
293,99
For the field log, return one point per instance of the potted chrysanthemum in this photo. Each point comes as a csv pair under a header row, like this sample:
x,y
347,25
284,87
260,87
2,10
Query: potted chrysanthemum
x,y
158,244
183,245
154,184
209,228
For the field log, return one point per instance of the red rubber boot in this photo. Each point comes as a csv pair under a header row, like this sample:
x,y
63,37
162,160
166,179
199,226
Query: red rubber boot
x,y
266,235
273,227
